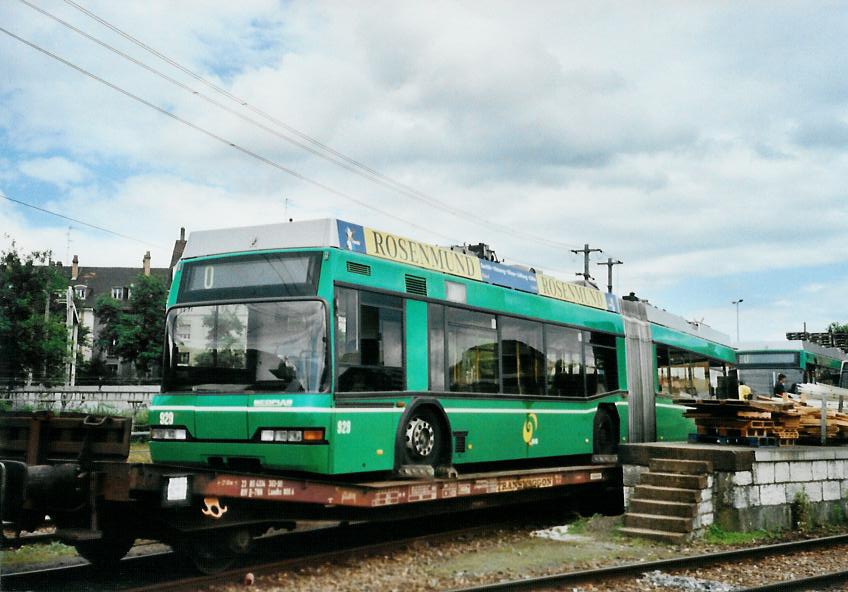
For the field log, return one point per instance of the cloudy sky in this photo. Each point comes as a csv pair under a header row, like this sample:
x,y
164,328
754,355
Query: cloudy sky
x,y
702,143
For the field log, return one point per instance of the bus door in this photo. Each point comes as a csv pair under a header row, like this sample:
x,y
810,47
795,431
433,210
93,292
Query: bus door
x,y
642,422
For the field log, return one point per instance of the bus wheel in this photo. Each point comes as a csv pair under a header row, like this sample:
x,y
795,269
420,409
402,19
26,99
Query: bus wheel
x,y
604,433
422,438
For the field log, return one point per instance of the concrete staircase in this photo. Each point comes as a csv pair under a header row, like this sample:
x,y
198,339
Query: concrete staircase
x,y
665,505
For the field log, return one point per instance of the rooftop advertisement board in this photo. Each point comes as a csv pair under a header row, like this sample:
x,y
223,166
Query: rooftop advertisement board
x,y
361,239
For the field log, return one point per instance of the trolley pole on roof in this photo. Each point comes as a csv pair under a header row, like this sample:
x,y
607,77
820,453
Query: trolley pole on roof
x,y
586,251
610,263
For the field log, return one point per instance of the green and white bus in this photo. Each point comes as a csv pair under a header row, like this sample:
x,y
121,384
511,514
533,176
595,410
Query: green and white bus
x,y
332,348
759,364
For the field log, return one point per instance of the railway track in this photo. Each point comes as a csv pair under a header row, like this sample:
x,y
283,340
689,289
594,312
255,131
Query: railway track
x,y
633,570
300,549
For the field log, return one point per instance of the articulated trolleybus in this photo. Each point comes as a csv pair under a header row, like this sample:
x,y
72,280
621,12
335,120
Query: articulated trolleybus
x,y
331,348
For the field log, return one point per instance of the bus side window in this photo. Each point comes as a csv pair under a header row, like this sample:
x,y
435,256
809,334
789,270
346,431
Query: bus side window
x,y
564,362
472,351
601,363
436,345
523,357
369,341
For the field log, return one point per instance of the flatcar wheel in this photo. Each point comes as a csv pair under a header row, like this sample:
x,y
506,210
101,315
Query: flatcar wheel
x,y
107,551
210,554
605,438
422,438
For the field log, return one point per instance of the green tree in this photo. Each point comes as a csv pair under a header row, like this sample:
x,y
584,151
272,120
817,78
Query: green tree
x,y
837,327
136,333
33,336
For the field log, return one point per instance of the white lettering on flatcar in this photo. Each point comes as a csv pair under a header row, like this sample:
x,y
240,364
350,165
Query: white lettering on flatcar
x,y
166,418
208,277
343,426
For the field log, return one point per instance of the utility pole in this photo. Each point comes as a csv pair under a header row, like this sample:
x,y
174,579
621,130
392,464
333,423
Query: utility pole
x,y
610,263
737,303
586,251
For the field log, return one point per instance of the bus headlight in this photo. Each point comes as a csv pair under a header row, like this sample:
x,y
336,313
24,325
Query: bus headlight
x,y
168,434
292,436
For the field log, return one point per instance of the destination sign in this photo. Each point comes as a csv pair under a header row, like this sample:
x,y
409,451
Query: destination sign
x,y
361,239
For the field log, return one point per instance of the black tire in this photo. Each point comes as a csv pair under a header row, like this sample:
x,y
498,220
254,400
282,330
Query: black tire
x,y
605,434
422,438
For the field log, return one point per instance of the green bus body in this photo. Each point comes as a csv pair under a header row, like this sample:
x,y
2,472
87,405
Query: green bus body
x,y
361,429
801,362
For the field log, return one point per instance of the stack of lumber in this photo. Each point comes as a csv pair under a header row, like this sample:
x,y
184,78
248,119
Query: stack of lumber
x,y
763,421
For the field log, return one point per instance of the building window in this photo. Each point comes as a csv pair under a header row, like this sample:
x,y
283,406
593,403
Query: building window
x,y
118,293
184,358
79,291
523,357
473,364
369,341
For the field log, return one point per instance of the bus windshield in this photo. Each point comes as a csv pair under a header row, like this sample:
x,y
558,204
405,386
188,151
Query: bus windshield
x,y
267,346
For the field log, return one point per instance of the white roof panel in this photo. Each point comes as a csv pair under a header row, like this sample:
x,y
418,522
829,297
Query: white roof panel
x,y
310,233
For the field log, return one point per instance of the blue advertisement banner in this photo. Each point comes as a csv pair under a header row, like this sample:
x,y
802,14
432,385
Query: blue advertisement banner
x,y
509,277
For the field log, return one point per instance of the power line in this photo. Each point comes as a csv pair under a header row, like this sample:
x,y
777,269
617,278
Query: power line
x,y
347,163
221,139
94,226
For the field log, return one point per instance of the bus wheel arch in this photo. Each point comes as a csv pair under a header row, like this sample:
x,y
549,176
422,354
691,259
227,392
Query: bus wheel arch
x,y
605,430
423,435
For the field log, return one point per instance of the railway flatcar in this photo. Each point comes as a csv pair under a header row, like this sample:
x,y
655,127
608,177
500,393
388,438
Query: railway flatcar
x,y
331,348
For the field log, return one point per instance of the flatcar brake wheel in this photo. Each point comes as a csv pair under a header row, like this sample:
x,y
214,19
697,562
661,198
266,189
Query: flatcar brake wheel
x,y
209,553
605,440
107,551
422,438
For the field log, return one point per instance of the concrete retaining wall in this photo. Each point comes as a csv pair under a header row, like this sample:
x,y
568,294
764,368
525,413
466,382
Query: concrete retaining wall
x,y
754,489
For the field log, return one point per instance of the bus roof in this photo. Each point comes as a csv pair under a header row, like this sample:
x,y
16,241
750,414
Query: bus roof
x,y
792,346
347,236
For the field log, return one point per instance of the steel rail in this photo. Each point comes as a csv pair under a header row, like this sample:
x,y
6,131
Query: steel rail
x,y
676,563
236,575
808,583
28,579
42,578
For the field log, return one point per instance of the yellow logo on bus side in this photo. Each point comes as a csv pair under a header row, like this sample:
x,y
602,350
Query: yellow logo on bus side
x,y
531,424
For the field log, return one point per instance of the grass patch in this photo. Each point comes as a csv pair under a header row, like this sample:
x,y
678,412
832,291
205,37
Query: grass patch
x,y
718,536
38,553
139,452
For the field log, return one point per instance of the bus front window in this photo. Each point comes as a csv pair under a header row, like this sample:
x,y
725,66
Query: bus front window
x,y
268,346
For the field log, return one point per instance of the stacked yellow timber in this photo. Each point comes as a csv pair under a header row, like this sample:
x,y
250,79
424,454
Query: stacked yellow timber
x,y
762,419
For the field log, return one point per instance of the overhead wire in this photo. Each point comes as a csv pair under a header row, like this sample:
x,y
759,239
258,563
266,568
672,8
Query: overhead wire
x,y
223,140
347,163
78,221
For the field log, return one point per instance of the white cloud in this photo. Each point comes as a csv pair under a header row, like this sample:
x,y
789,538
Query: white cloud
x,y
691,140
56,170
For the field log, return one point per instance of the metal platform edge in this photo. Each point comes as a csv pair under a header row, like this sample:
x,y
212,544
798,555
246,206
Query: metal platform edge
x,y
316,491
